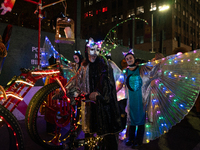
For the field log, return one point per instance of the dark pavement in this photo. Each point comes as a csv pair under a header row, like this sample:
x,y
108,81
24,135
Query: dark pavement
x,y
184,136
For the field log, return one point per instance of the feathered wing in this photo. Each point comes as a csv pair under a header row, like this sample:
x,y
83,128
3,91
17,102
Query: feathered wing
x,y
173,93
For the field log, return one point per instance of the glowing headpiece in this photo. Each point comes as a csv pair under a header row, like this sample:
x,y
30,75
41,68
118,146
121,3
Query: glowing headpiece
x,y
93,47
79,52
129,52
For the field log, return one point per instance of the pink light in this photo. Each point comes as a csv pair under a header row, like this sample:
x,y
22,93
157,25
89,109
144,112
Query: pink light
x,y
195,51
179,53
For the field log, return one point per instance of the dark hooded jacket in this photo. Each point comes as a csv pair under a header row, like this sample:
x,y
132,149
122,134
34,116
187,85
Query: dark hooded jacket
x,y
104,115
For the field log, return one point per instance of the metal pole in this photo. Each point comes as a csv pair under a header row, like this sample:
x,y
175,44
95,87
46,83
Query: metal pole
x,y
133,33
39,30
152,51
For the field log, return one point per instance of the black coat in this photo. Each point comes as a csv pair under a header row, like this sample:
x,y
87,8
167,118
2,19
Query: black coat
x,y
105,116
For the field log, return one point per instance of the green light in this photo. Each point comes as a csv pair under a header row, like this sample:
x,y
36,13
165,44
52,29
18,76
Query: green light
x,y
147,126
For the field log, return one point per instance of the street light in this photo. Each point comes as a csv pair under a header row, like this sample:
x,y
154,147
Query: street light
x,y
160,8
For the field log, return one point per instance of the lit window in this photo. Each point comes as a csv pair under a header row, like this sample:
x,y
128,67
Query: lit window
x,y
90,2
131,12
183,12
120,17
197,23
113,19
90,13
104,9
140,9
153,6
190,18
98,0
86,15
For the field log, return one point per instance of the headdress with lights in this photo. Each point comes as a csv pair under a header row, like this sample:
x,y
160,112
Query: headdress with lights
x,y
79,52
93,47
129,52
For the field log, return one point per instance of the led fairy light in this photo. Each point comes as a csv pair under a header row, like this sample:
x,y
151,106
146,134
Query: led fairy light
x,y
20,81
12,95
107,39
43,72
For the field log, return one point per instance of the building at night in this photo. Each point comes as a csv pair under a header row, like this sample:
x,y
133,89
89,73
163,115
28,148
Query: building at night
x,y
176,26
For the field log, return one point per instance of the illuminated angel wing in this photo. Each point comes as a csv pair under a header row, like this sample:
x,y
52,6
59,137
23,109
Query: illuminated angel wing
x,y
68,71
118,75
49,52
173,93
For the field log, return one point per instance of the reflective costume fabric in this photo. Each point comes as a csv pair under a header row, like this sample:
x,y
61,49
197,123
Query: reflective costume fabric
x,y
137,113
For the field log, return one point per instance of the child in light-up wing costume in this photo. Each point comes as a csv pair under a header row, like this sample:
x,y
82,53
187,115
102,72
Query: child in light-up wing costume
x,y
177,82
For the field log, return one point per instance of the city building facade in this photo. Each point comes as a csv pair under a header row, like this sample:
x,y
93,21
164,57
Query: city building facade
x,y
177,26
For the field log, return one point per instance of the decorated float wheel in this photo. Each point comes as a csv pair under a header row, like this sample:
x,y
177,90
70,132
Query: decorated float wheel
x,y
61,125
10,131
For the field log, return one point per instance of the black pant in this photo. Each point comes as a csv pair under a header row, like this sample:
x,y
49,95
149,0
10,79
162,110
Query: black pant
x,y
138,137
122,106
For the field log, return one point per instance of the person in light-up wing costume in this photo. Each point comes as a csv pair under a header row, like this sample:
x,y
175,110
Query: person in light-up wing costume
x,y
158,108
